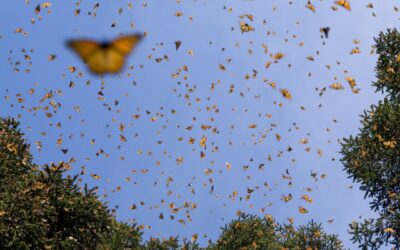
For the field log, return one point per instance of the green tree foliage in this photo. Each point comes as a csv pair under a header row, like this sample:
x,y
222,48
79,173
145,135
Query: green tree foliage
x,y
310,236
372,158
121,236
388,65
253,232
15,158
155,244
248,232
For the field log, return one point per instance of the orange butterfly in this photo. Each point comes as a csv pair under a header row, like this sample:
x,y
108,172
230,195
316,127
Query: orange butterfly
x,y
285,93
344,3
106,57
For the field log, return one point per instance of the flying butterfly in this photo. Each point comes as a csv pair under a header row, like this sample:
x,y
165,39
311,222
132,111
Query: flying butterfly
x,y
344,3
245,27
286,93
303,210
336,86
325,31
105,57
310,6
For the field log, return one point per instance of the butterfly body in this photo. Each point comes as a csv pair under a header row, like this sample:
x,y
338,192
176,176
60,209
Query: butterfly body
x,y
104,45
105,57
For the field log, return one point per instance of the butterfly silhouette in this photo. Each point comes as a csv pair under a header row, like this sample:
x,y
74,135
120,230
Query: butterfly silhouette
x,y
105,57
325,31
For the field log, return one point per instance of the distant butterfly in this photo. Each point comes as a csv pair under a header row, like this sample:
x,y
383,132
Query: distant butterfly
x,y
351,81
336,86
177,44
310,6
285,93
95,176
303,210
325,31
245,27
287,198
344,3
105,57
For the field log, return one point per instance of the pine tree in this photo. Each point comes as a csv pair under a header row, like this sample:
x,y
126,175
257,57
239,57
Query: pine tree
x,y
372,158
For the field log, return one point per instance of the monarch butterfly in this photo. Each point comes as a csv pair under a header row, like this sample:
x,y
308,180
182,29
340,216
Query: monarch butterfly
x,y
287,198
303,210
325,31
310,6
306,198
95,176
245,27
389,230
177,44
344,3
336,86
105,57
285,93
355,50
351,81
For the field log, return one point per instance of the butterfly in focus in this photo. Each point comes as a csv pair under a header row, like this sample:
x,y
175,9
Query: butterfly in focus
x,y
344,3
105,57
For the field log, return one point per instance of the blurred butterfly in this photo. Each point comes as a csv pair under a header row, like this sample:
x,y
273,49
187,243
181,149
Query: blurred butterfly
x,y
344,3
105,57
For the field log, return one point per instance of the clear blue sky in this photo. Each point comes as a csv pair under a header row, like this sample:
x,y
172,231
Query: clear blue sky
x,y
84,117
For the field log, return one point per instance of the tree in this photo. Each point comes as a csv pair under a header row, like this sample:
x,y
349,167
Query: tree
x,y
248,232
372,158
121,236
155,244
310,236
253,232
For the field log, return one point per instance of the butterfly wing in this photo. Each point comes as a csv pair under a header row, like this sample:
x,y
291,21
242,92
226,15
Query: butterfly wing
x,y
347,5
339,2
125,44
84,48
